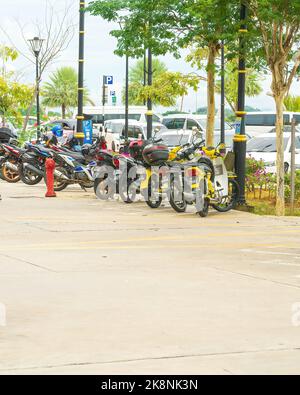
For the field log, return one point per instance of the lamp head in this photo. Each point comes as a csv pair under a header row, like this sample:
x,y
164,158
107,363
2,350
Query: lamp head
x,y
36,45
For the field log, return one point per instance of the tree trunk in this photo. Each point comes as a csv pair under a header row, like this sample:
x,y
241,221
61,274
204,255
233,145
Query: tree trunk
x,y
181,103
63,111
280,203
211,106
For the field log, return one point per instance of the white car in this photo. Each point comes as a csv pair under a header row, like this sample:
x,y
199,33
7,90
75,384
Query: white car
x,y
114,131
176,138
190,121
264,147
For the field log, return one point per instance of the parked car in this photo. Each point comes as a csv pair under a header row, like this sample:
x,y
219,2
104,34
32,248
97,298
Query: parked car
x,y
137,113
189,121
261,122
176,138
115,129
264,147
173,138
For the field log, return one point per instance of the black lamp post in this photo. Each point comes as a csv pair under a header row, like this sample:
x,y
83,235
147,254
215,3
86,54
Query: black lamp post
x,y
80,117
36,46
145,72
149,101
222,93
122,25
240,139
127,98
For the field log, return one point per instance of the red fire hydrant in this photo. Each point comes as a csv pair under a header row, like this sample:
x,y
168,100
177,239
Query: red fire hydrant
x,y
50,167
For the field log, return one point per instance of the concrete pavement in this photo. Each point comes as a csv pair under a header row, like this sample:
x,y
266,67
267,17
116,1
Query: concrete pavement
x,y
104,287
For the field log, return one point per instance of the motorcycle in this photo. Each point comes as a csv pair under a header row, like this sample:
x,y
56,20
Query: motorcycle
x,y
208,181
70,171
76,167
113,175
9,162
32,163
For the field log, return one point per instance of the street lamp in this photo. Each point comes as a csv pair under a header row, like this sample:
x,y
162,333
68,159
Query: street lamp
x,y
80,117
122,24
36,46
222,93
240,139
149,101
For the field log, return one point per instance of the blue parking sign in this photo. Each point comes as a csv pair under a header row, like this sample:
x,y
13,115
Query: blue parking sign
x,y
88,132
109,80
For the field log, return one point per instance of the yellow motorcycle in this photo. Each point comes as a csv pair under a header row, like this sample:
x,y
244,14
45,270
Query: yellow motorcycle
x,y
205,181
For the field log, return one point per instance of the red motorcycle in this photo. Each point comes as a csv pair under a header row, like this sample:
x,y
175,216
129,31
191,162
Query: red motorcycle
x,y
9,162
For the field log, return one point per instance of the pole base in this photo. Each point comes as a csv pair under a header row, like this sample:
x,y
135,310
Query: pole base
x,y
50,195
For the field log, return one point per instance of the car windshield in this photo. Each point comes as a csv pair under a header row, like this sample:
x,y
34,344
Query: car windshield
x,y
264,144
174,140
174,123
115,127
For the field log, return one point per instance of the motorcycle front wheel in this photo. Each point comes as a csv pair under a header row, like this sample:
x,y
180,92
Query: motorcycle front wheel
x,y
28,177
230,202
154,198
204,212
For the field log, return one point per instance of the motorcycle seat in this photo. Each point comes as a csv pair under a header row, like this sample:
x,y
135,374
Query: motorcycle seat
x,y
75,155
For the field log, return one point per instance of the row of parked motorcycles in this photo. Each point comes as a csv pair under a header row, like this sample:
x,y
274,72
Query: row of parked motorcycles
x,y
190,174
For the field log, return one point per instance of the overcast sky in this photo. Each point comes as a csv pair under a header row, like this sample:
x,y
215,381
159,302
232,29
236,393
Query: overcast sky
x,y
99,49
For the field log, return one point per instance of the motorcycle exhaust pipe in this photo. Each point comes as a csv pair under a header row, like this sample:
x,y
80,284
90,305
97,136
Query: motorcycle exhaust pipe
x,y
33,169
11,167
59,174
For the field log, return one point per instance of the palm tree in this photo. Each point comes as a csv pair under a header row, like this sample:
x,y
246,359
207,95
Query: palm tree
x,y
136,79
62,90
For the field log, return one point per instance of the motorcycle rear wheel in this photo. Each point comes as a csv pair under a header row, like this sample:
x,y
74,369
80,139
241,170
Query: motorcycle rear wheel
x,y
101,188
233,195
59,185
28,177
178,206
1,175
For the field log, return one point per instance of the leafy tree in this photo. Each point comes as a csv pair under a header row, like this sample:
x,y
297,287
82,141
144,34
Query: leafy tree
x,y
206,24
62,90
167,25
292,103
253,87
168,86
7,54
278,25
147,24
13,95
136,80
